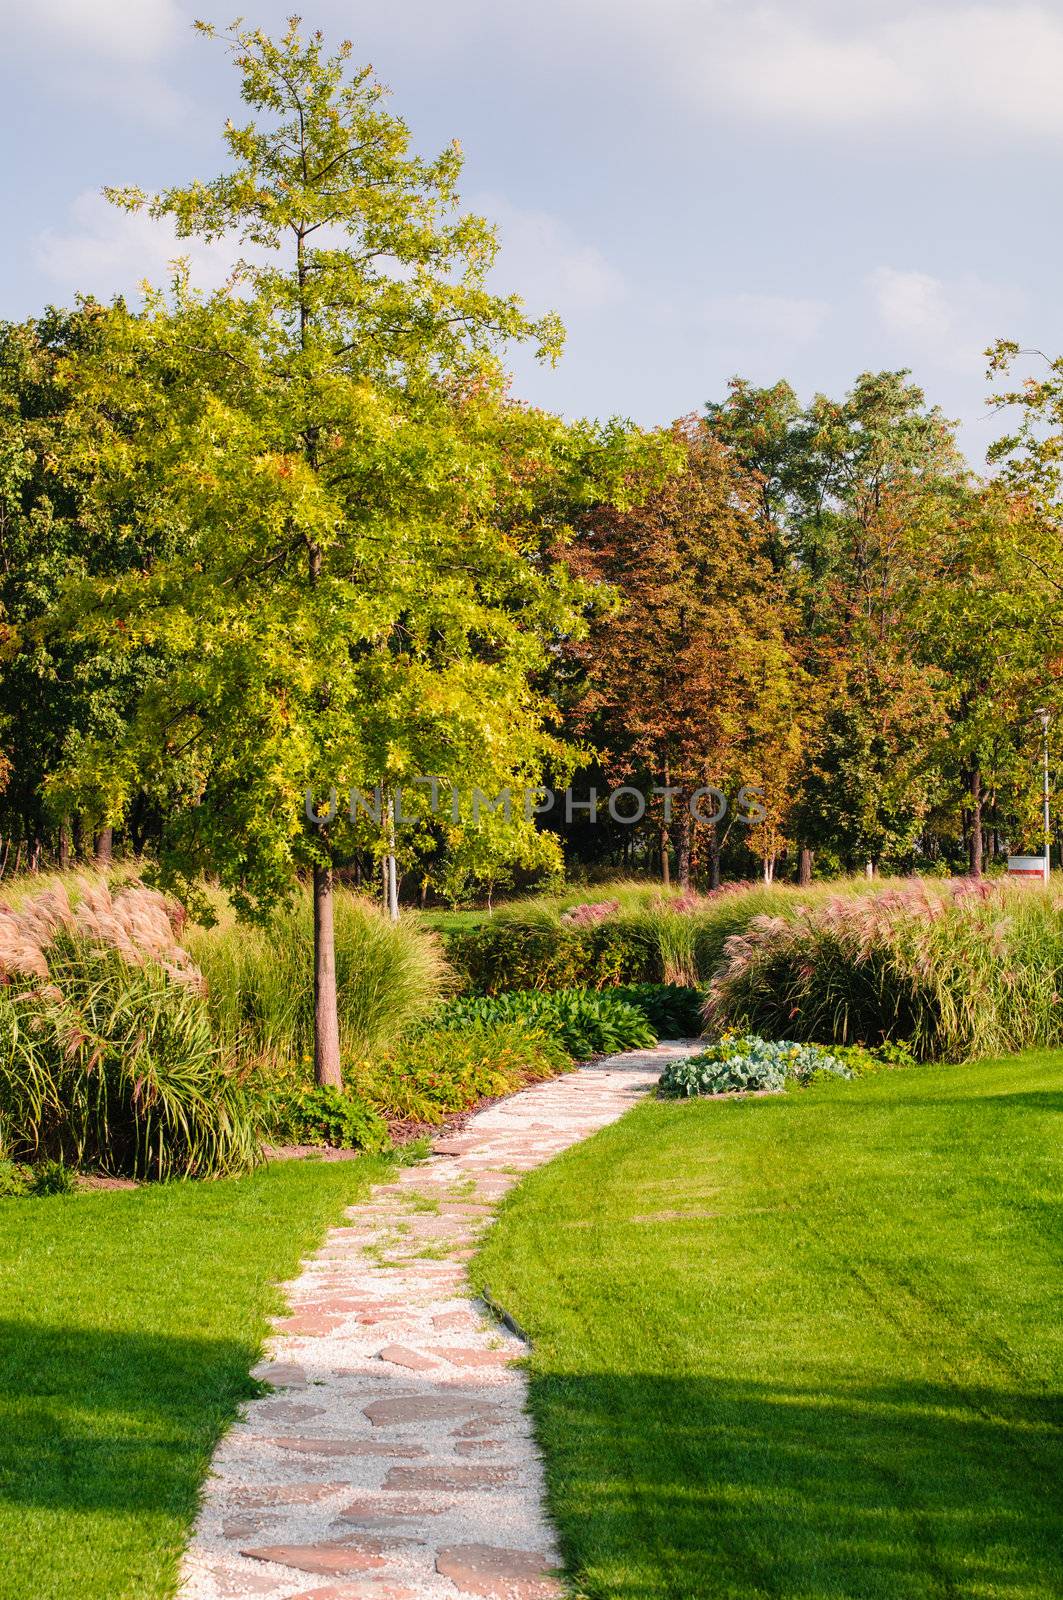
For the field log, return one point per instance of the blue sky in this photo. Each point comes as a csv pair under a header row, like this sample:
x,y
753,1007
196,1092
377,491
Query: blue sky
x,y
700,187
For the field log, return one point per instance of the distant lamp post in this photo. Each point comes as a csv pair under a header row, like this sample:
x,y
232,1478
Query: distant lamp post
x,y
1045,715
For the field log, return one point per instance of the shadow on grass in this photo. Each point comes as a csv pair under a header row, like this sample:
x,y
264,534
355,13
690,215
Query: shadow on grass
x,y
697,1489
114,1421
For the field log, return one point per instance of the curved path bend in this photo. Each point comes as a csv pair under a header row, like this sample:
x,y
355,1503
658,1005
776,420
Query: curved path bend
x,y
395,1458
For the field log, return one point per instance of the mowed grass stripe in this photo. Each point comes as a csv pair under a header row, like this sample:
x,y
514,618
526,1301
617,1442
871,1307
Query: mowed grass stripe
x,y
804,1346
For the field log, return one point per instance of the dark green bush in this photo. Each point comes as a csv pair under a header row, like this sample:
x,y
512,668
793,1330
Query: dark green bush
x,y
507,954
542,953
584,1022
672,1010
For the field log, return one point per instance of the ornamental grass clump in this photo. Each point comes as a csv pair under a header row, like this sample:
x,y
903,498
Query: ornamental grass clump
x,y
106,1052
956,971
749,1065
259,977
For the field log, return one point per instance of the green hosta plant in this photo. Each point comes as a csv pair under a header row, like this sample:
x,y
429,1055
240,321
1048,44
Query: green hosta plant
x,y
750,1065
585,1022
672,1010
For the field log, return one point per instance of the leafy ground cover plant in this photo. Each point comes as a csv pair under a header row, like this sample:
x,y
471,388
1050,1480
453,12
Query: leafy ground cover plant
x,y
448,1068
584,1022
748,1064
320,1114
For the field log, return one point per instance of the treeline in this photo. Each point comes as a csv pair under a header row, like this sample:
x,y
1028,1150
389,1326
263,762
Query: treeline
x,y
826,603
296,537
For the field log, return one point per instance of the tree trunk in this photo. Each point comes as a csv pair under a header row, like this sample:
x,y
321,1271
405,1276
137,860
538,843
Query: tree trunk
x,y
64,845
683,850
769,869
666,866
869,869
326,1012
714,858
804,867
104,847
975,840
77,836
392,879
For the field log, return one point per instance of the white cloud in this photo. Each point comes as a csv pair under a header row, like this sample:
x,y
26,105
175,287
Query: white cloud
x,y
784,322
122,30
946,323
965,64
991,65
542,260
105,251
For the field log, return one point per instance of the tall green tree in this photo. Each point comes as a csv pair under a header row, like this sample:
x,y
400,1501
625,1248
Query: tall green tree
x,y
359,590
56,690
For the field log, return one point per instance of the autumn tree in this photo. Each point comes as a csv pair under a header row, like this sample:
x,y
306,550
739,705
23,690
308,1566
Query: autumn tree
x,y
688,679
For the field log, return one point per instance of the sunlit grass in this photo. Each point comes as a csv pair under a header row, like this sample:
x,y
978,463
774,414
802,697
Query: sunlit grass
x,y
805,1346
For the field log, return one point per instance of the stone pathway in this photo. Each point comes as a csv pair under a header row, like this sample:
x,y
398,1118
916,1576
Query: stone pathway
x,y
395,1460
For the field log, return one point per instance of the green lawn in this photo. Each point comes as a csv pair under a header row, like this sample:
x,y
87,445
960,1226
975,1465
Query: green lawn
x,y
804,1346
128,1323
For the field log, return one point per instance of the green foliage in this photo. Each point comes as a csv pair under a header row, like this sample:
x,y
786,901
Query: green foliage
x,y
952,971
529,946
445,1069
320,1114
260,977
584,1022
672,1010
14,1179
511,953
748,1064
52,1177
